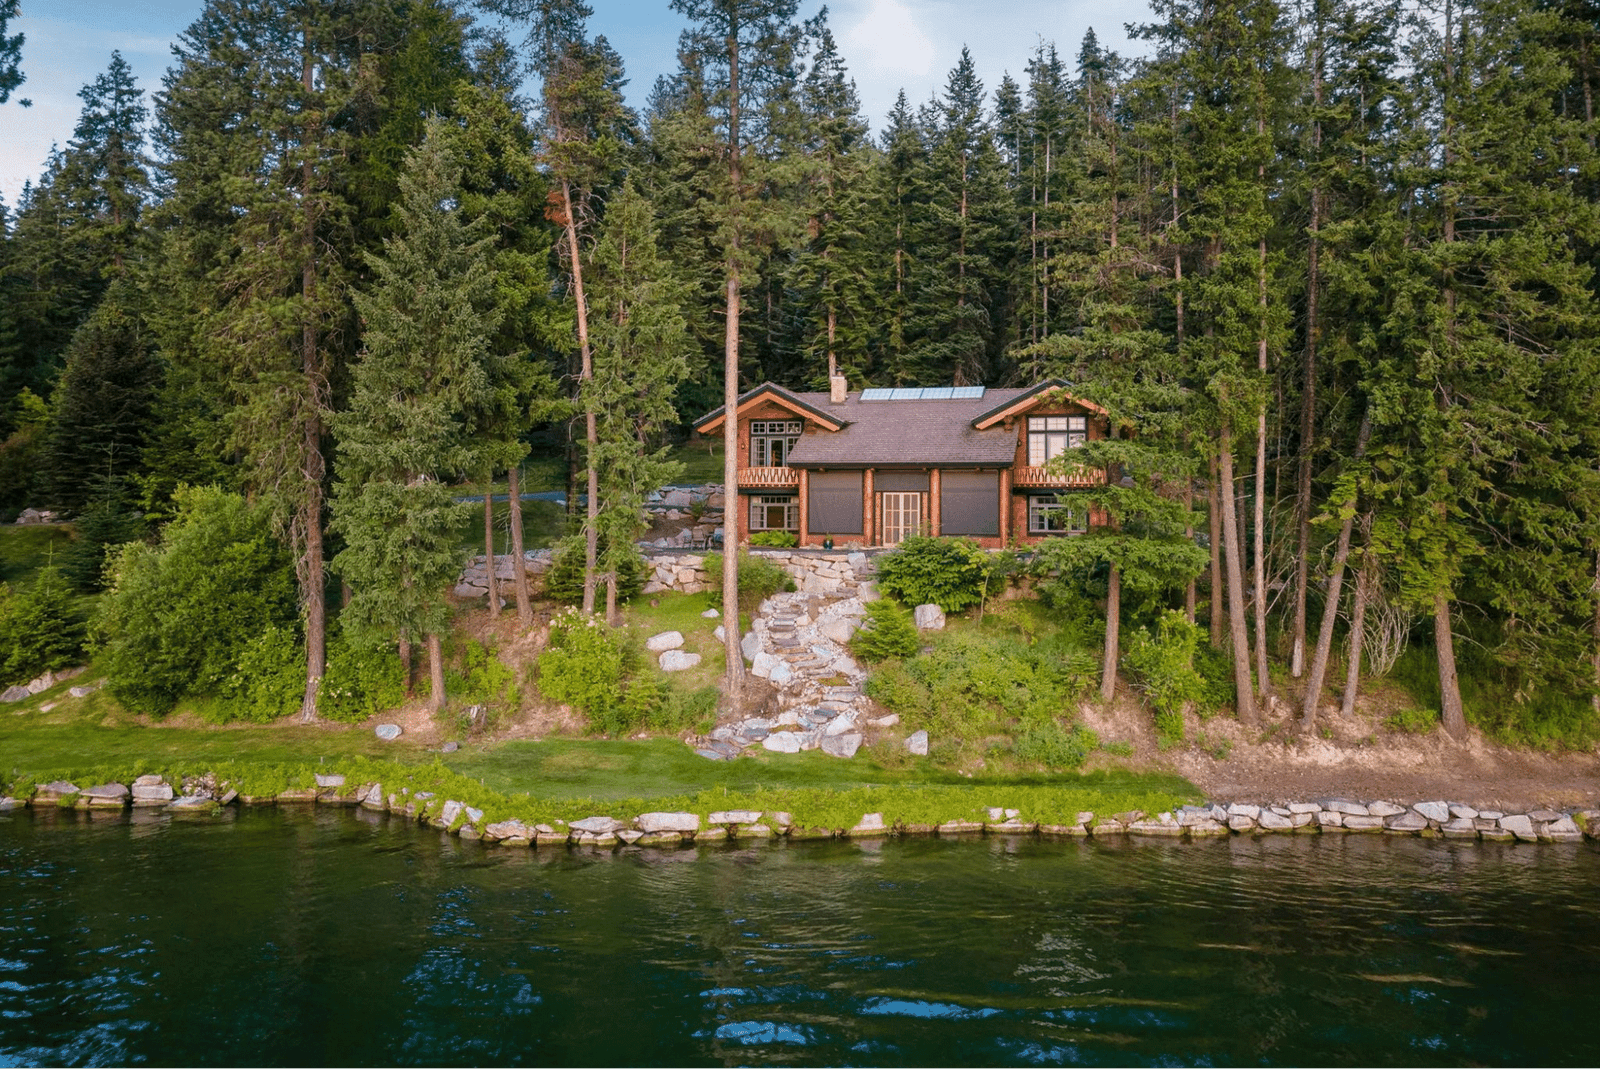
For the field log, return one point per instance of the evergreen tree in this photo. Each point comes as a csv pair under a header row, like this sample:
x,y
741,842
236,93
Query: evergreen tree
x,y
11,74
104,176
428,320
903,159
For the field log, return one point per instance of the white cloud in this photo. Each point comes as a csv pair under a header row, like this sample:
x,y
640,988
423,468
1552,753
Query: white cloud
x,y
883,39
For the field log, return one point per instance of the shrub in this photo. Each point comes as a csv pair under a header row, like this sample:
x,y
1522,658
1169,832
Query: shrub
x,y
1413,721
775,539
361,680
39,632
600,673
888,632
1045,741
179,615
109,520
759,579
268,680
1164,669
481,678
952,573
564,580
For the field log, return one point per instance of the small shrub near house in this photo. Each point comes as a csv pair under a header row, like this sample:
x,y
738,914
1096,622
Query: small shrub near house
x,y
759,579
887,633
952,573
775,539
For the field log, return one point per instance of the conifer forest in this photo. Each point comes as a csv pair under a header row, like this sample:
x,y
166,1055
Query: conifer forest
x,y
1334,260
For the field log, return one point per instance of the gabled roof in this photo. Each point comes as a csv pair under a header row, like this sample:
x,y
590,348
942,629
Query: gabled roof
x,y
931,432
1026,399
803,405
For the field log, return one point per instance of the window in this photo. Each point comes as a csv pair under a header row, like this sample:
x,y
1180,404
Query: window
x,y
771,440
1050,436
1057,514
774,513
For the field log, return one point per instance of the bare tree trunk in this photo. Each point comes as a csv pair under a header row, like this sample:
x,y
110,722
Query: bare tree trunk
x,y
1450,711
1594,658
435,674
613,617
733,685
1259,576
405,663
1231,551
488,546
1214,519
591,431
1108,668
519,564
1358,623
314,466
1308,388
1330,609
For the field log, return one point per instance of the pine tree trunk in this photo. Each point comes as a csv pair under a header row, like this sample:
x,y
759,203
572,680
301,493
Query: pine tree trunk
x,y
1594,657
613,617
1358,624
1231,551
1214,519
1259,559
1450,711
405,664
312,579
1330,609
1108,667
435,674
519,564
1308,388
733,680
488,545
591,430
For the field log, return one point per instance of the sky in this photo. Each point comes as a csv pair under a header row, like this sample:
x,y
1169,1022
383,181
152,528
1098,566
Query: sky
x,y
887,44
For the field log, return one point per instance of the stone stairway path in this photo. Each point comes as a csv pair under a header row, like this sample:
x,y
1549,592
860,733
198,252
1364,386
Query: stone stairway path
x,y
799,643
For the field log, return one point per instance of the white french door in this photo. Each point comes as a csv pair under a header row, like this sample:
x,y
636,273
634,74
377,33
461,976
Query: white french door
x,y
902,515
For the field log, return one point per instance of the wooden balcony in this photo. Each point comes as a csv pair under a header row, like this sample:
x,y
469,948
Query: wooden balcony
x,y
775,478
1045,478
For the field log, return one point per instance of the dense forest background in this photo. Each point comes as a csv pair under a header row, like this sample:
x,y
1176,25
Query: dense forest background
x,y
1337,257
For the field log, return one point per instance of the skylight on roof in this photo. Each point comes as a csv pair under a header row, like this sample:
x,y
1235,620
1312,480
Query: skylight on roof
x,y
923,393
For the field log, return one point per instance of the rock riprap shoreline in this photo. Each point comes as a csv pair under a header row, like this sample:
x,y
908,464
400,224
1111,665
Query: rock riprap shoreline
x,y
1436,819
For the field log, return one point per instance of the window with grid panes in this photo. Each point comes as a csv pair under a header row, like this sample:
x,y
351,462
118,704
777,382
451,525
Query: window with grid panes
x,y
1050,436
774,512
1057,514
771,440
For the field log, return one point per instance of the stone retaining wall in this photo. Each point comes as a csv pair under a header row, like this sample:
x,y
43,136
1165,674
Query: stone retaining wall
x,y
835,572
1449,820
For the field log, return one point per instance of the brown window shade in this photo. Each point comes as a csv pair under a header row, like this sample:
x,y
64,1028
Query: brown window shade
x,y
969,503
907,481
834,503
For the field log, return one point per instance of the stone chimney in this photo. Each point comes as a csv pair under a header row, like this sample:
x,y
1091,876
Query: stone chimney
x,y
838,388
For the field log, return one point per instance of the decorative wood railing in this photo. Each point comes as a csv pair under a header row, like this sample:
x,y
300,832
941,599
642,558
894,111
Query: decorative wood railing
x,y
1045,477
779,478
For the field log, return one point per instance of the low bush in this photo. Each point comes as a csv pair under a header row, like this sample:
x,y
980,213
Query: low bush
x,y
775,539
268,680
604,674
564,580
759,579
1045,740
1163,667
1413,721
887,633
361,681
952,573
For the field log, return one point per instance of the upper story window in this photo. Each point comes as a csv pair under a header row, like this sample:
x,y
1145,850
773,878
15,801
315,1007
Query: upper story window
x,y
771,440
1050,436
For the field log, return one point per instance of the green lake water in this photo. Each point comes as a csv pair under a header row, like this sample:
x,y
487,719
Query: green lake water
x,y
316,937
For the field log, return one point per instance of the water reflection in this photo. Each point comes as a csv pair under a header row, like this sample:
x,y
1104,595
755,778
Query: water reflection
x,y
319,937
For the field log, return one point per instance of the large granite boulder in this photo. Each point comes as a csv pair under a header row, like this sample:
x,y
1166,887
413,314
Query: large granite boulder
x,y
928,618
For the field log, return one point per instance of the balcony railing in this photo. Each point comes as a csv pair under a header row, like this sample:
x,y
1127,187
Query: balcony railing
x,y
784,478
1073,477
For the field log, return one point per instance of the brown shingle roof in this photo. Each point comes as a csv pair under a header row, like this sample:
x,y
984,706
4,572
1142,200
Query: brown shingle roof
x,y
907,433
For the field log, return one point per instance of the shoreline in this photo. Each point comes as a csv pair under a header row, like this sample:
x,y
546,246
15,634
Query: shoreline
x,y
741,818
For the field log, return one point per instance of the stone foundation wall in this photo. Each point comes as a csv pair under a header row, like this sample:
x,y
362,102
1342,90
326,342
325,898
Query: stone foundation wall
x,y
836,572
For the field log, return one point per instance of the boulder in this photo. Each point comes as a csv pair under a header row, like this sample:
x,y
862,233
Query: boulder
x,y
451,810
678,660
711,614
151,793
917,743
734,816
1520,826
387,732
15,694
1460,828
1406,821
1349,809
1328,818
841,745
840,725
838,629
1360,823
1563,830
928,618
677,499
781,674
658,822
1239,809
667,640
1273,821
1439,812
763,664
1304,807
598,825
1460,811
1385,809
884,721
83,690
870,824
332,779
750,645
1240,822
106,795
782,742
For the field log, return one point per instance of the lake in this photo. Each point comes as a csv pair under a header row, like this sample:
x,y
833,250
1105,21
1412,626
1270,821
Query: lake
x,y
329,937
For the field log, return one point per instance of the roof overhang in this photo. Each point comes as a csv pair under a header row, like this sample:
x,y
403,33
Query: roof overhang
x,y
770,392
1049,390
